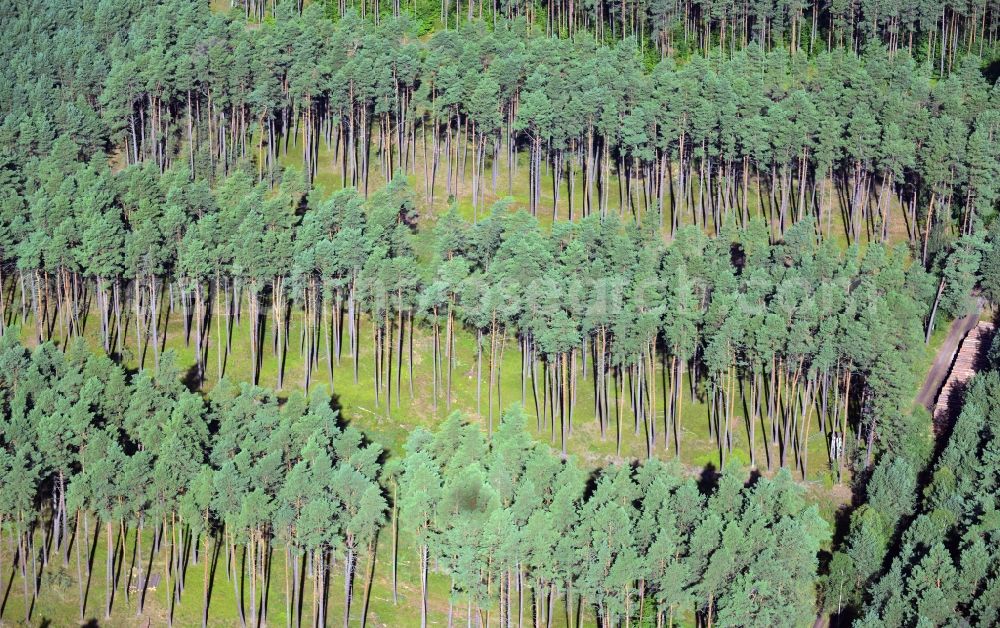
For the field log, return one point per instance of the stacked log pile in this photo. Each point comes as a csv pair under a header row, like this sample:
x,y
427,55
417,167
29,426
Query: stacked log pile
x,y
968,361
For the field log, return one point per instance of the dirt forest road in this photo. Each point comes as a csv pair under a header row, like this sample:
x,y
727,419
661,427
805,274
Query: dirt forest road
x,y
945,355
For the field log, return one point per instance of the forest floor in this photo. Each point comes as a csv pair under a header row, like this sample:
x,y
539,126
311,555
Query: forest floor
x,y
393,422
389,424
511,185
58,603
389,418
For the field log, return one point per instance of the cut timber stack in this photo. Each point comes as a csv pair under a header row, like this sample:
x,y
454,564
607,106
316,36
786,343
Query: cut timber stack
x,y
967,362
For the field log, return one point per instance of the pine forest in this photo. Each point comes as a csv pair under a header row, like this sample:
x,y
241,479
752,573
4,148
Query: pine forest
x,y
513,314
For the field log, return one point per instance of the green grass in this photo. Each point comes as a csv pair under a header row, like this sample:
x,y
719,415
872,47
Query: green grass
x,y
58,600
329,178
930,349
390,424
390,421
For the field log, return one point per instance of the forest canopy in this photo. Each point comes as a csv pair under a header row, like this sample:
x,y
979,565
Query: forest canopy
x,y
524,312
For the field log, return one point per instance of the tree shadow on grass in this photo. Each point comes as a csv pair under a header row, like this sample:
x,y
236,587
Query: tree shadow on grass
x,y
213,567
992,71
192,380
708,479
10,583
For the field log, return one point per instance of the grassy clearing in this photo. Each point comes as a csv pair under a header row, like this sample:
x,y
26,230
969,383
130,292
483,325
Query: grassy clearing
x,y
391,418
58,602
390,421
514,188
